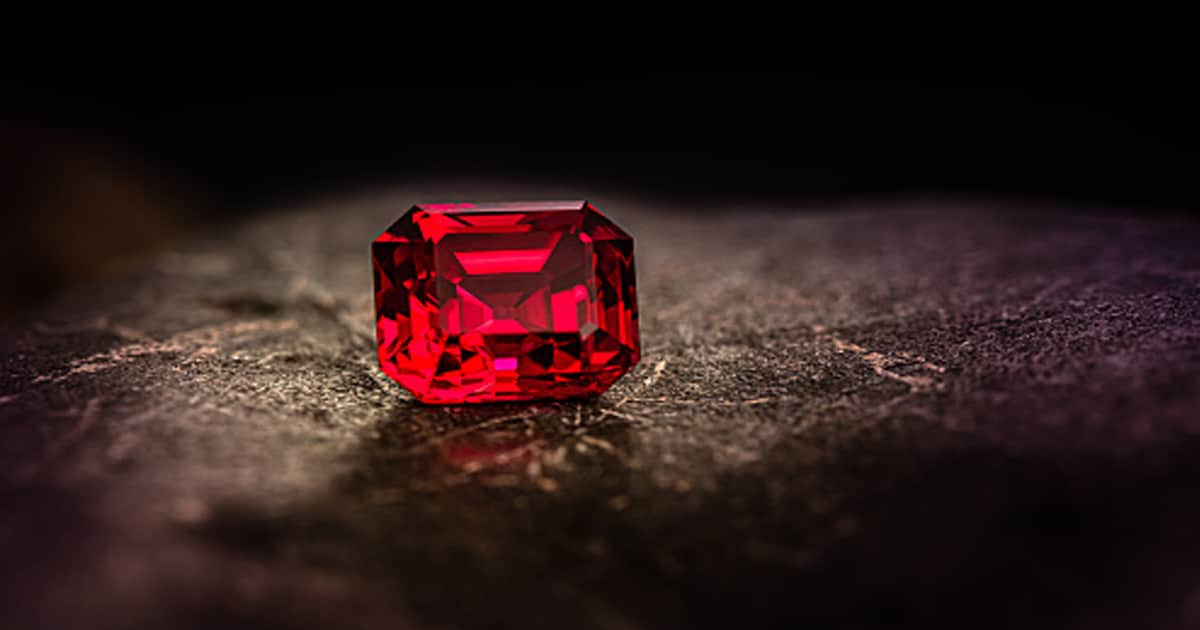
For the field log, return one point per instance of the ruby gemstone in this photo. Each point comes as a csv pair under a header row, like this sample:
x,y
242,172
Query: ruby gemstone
x,y
505,301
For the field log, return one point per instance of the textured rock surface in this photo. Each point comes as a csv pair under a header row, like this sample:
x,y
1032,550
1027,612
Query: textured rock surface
x,y
945,413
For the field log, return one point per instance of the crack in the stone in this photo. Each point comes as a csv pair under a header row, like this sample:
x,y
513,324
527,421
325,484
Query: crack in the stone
x,y
881,363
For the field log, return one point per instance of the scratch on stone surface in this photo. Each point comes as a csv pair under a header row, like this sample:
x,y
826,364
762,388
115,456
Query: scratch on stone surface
x,y
751,402
623,416
599,443
929,365
881,363
198,340
885,408
4,400
921,362
655,373
87,418
659,366
657,399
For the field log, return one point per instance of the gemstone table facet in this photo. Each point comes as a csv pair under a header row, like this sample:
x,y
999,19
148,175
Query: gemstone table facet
x,y
505,301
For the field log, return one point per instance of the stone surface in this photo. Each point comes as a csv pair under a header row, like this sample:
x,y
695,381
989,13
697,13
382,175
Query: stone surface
x,y
943,413
504,302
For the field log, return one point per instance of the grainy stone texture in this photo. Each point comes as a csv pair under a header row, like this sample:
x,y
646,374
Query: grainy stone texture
x,y
939,413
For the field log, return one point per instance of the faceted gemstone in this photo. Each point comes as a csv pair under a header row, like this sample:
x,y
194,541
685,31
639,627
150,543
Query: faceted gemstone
x,y
505,301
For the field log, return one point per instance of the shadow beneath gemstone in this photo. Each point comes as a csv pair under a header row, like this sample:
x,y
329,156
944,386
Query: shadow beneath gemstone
x,y
443,502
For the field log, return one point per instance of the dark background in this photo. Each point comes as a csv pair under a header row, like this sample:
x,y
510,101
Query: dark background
x,y
140,156
240,138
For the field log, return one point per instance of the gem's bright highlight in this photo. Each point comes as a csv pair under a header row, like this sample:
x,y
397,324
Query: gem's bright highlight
x,y
505,301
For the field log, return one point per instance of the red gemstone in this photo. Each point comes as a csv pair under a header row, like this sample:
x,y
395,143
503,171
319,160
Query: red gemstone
x,y
505,301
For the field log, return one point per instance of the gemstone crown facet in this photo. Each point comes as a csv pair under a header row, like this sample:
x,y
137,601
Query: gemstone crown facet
x,y
494,302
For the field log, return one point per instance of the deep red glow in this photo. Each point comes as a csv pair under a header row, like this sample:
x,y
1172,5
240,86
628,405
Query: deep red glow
x,y
512,301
